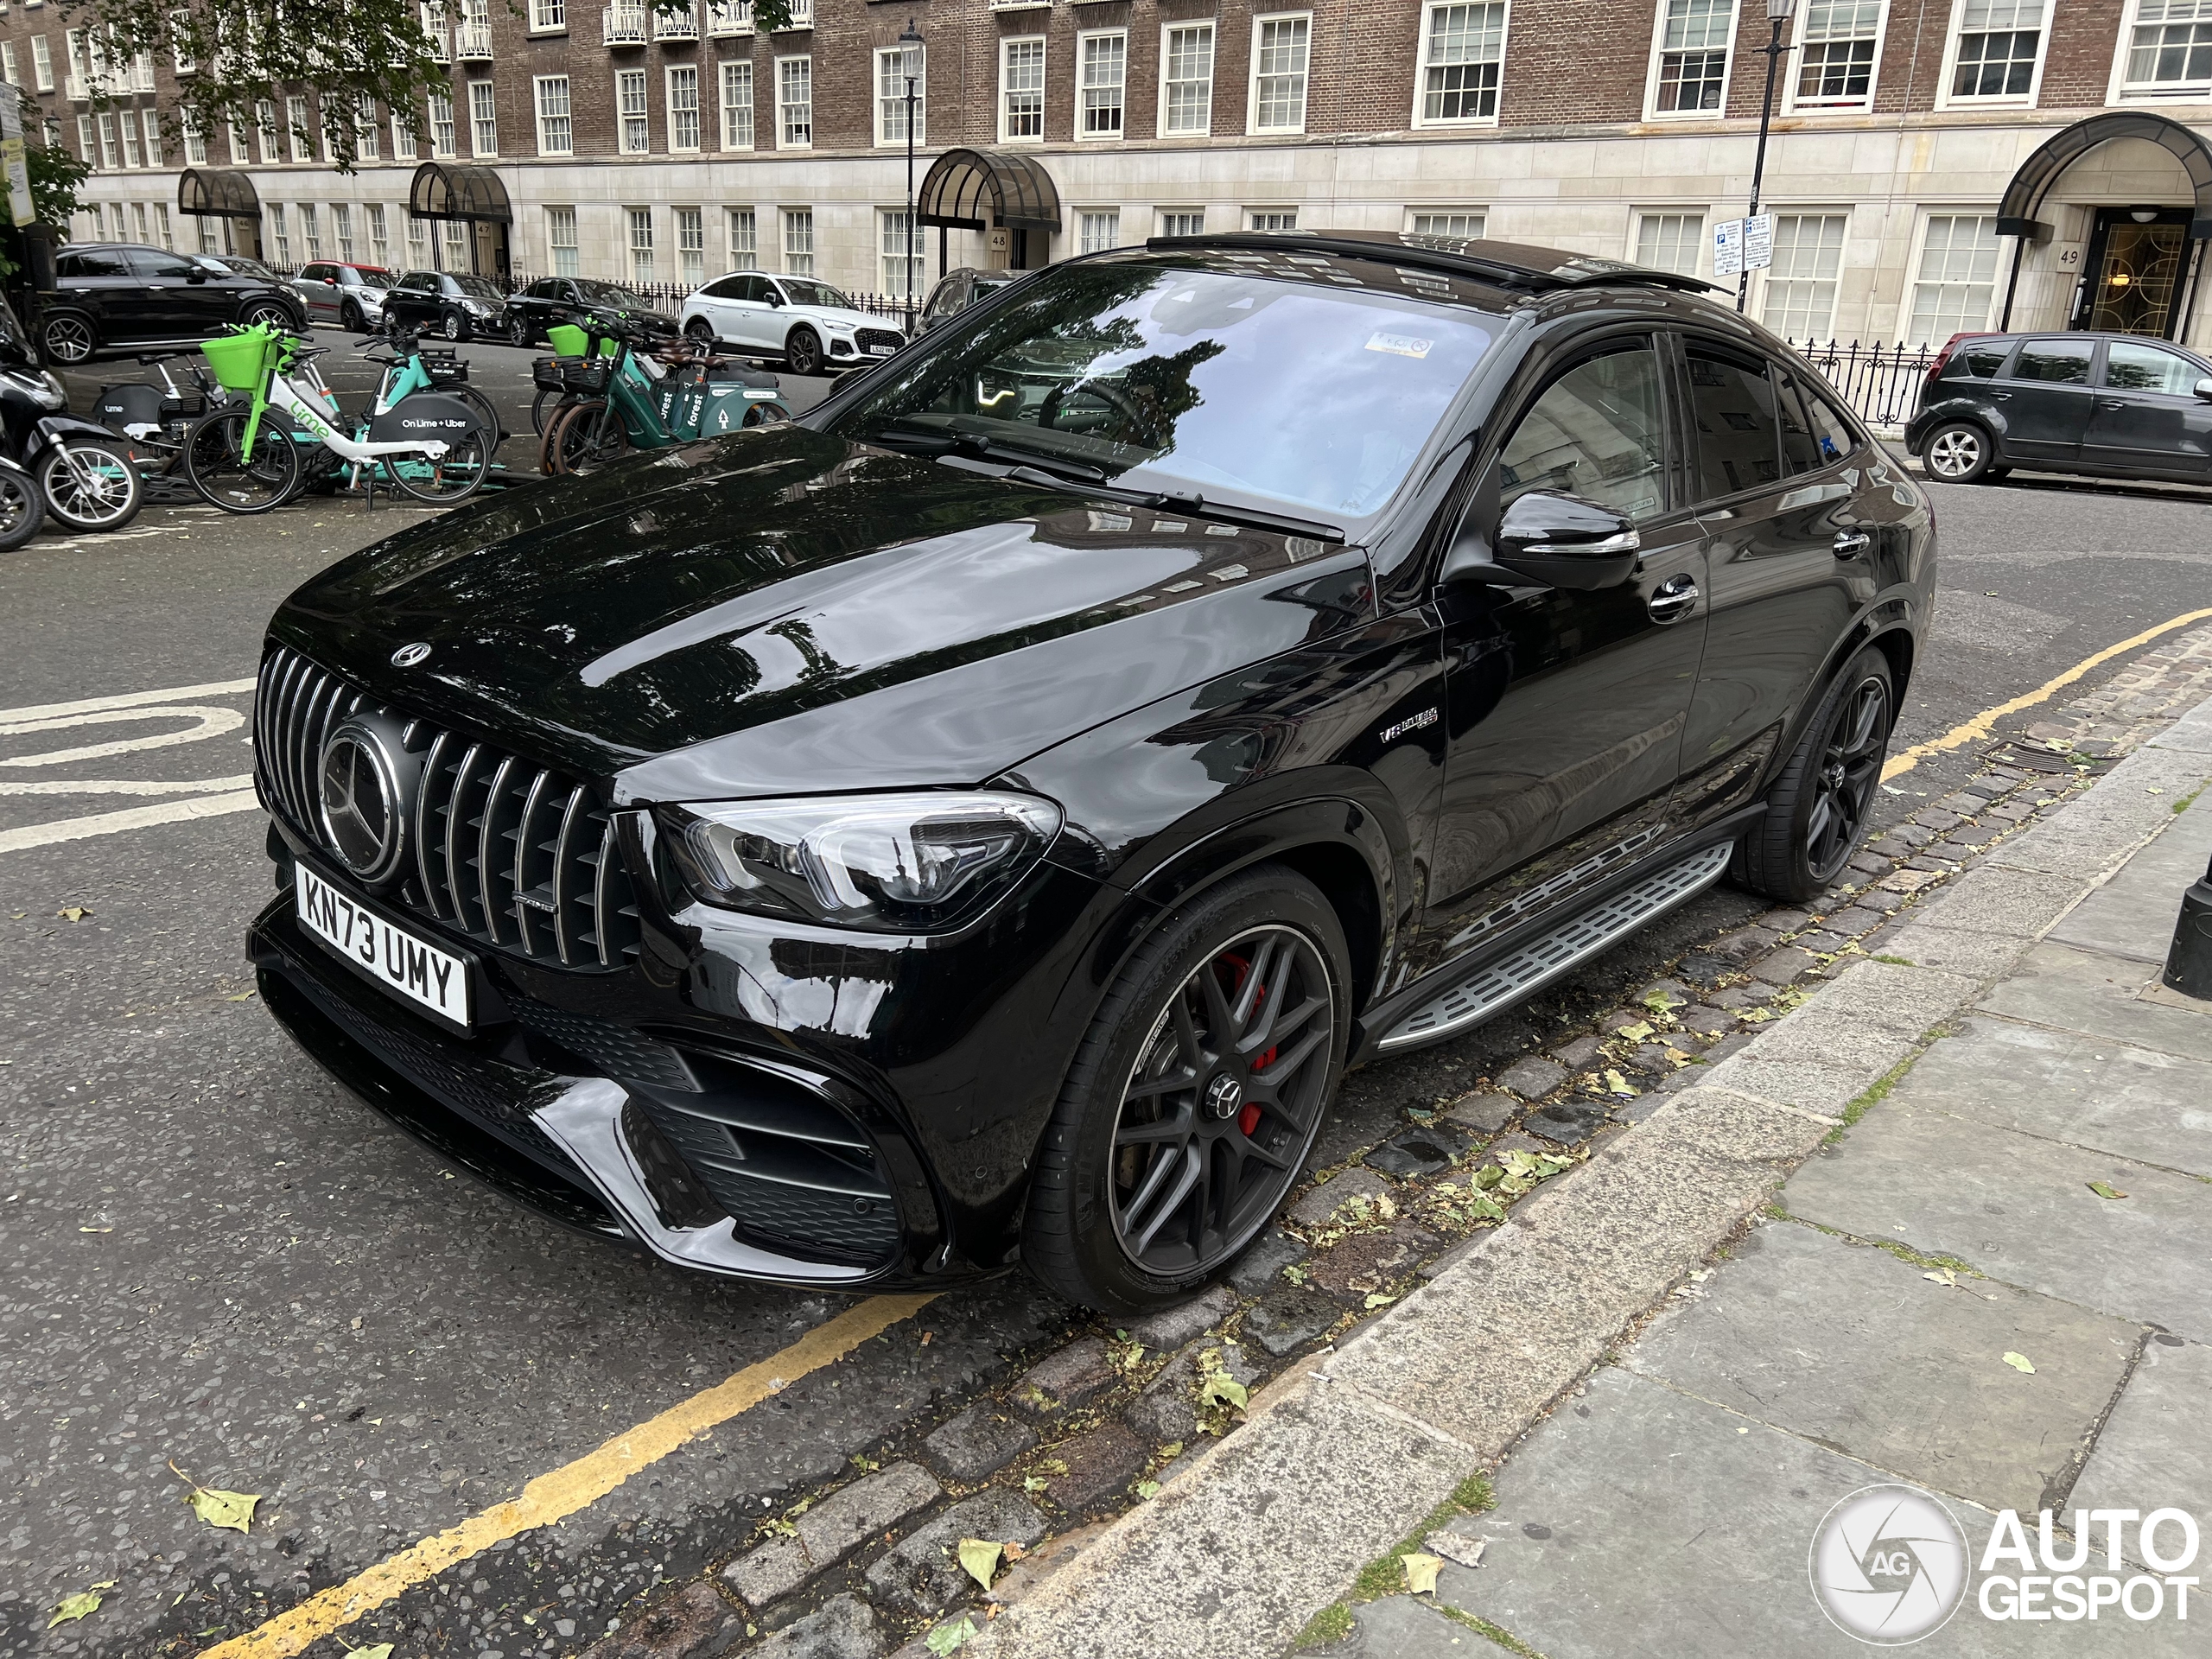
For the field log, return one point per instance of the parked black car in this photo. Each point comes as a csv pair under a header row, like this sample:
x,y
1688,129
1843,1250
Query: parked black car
x,y
460,308
551,300
2101,406
983,818
958,290
112,296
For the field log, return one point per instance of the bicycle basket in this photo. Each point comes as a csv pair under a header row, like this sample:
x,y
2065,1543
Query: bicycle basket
x,y
444,368
238,358
567,340
585,374
545,374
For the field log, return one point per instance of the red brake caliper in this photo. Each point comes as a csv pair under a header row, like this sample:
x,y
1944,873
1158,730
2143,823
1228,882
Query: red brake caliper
x,y
1249,1119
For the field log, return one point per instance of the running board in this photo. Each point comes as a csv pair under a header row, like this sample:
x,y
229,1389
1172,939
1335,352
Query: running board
x,y
1505,981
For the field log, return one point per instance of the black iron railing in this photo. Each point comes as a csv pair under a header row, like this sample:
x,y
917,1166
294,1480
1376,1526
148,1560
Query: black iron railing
x,y
1881,383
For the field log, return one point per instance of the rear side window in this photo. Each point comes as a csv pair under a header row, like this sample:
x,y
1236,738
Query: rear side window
x,y
1596,432
1977,359
2064,361
1732,413
99,262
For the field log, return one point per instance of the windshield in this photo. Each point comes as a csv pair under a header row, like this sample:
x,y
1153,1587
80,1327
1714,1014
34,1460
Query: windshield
x,y
234,264
609,294
805,291
1182,377
482,288
374,277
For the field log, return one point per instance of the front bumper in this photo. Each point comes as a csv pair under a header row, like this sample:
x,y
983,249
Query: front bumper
x,y
513,1107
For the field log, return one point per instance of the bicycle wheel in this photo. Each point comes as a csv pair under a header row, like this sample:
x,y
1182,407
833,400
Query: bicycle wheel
x,y
545,408
225,479
454,476
494,430
90,484
586,438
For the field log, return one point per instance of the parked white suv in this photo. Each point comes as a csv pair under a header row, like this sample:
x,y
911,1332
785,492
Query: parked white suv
x,y
810,325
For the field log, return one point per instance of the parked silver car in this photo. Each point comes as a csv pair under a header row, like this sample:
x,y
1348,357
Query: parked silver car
x,y
349,296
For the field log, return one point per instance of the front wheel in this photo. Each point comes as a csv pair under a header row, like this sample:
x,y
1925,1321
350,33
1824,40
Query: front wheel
x,y
1959,452
1195,1098
21,509
89,485
1816,814
544,408
450,478
454,326
215,463
349,319
803,350
586,437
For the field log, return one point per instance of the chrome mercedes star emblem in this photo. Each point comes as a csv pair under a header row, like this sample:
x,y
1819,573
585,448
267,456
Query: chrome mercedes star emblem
x,y
358,791
1224,1097
408,656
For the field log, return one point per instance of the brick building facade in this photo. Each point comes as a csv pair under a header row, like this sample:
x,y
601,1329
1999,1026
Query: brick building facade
x,y
634,144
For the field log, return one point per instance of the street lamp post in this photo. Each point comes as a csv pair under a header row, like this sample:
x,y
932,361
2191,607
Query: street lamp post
x,y
910,45
1778,13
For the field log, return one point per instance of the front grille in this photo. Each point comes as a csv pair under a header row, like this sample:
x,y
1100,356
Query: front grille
x,y
869,339
511,853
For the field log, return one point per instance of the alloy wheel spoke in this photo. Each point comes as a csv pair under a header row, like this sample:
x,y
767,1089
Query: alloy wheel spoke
x,y
1252,996
1159,1132
1196,1056
1186,1167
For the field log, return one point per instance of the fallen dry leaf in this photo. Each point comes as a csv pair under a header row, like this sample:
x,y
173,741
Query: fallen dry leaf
x,y
2105,1190
979,1556
1420,1574
72,913
2021,1363
83,1604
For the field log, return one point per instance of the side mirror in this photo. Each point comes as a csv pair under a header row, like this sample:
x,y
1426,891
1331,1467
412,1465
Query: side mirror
x,y
2204,389
1566,542
196,278
330,281
773,298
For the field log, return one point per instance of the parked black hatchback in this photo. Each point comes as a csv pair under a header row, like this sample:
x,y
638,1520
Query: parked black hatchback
x,y
114,295
2101,405
458,307
985,818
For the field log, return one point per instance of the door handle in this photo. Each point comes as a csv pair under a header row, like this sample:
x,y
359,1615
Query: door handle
x,y
2112,403
1673,600
1850,544
1997,396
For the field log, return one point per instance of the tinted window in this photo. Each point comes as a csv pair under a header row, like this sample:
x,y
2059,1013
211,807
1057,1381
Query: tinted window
x,y
803,291
482,288
756,289
1977,359
725,288
544,288
420,281
92,262
1801,450
1732,407
2129,367
153,263
1830,430
2063,360
1596,433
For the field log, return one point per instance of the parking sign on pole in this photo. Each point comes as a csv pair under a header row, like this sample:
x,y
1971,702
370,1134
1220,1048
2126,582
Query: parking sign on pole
x,y
1728,248
1758,241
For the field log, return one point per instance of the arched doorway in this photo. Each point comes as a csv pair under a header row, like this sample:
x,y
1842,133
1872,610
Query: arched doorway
x,y
990,190
2142,263
445,194
229,199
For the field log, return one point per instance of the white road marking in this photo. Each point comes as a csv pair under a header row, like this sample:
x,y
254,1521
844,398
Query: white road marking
x,y
212,723
132,786
135,818
127,700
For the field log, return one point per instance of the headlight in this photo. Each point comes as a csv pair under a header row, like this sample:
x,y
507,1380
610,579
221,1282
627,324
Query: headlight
x,y
40,385
914,862
481,308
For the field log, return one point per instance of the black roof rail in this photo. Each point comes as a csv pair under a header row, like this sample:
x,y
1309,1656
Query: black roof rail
x,y
1505,265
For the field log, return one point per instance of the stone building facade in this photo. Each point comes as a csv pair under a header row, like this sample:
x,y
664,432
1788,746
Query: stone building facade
x,y
670,148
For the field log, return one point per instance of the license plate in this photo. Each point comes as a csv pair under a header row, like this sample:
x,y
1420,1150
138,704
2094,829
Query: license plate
x,y
881,351
408,966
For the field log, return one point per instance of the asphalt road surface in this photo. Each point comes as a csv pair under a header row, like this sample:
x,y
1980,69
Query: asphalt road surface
x,y
215,1268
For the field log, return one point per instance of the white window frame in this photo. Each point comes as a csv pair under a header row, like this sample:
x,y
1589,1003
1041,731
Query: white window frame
x,y
637,269
1253,216
1761,292
554,223
1439,209
1213,51
725,106
1922,222
787,220
1651,109
690,238
1082,40
670,112
476,120
1260,22
746,256
42,65
2119,91
566,115
1793,68
1044,80
1702,265
1085,243
450,148
891,105
310,231
1422,65
341,230
784,141
194,139
624,80
1161,215
379,234
889,257
111,151
1945,100
8,72
549,17
405,141
127,119
367,136
299,136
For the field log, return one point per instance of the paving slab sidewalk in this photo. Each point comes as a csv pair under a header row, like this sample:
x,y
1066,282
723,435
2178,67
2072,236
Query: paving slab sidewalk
x,y
1687,1478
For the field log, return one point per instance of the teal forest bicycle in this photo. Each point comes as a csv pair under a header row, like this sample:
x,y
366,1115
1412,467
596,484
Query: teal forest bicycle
x,y
616,402
247,457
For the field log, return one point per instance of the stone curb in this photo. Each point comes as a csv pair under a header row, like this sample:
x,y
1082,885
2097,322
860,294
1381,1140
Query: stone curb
x,y
1342,1458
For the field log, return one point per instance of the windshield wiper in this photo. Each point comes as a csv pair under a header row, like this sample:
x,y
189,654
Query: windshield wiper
x,y
978,446
1195,506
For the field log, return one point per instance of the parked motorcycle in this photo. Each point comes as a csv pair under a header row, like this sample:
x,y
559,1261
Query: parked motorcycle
x,y
85,475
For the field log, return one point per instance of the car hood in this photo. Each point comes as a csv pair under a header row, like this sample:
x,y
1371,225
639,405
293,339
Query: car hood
x,y
839,316
782,611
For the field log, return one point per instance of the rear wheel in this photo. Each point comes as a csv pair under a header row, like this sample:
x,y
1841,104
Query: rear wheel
x,y
23,510
1816,814
584,439
442,480
1959,452
701,330
225,477
275,316
483,409
1195,1097
69,337
89,485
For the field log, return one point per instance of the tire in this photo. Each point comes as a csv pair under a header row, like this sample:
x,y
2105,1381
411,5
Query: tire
x,y
583,440
495,433
803,350
89,485
23,510
69,337
1959,452
349,319
274,315
701,330
212,463
454,326
1817,812
453,477
518,332
1127,1218
544,408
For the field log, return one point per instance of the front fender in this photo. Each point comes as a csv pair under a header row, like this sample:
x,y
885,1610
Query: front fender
x,y
51,428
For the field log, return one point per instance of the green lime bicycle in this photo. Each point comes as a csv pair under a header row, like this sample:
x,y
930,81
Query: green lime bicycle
x,y
242,459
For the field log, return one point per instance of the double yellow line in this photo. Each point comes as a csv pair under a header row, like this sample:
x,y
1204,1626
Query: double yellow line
x,y
572,1487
